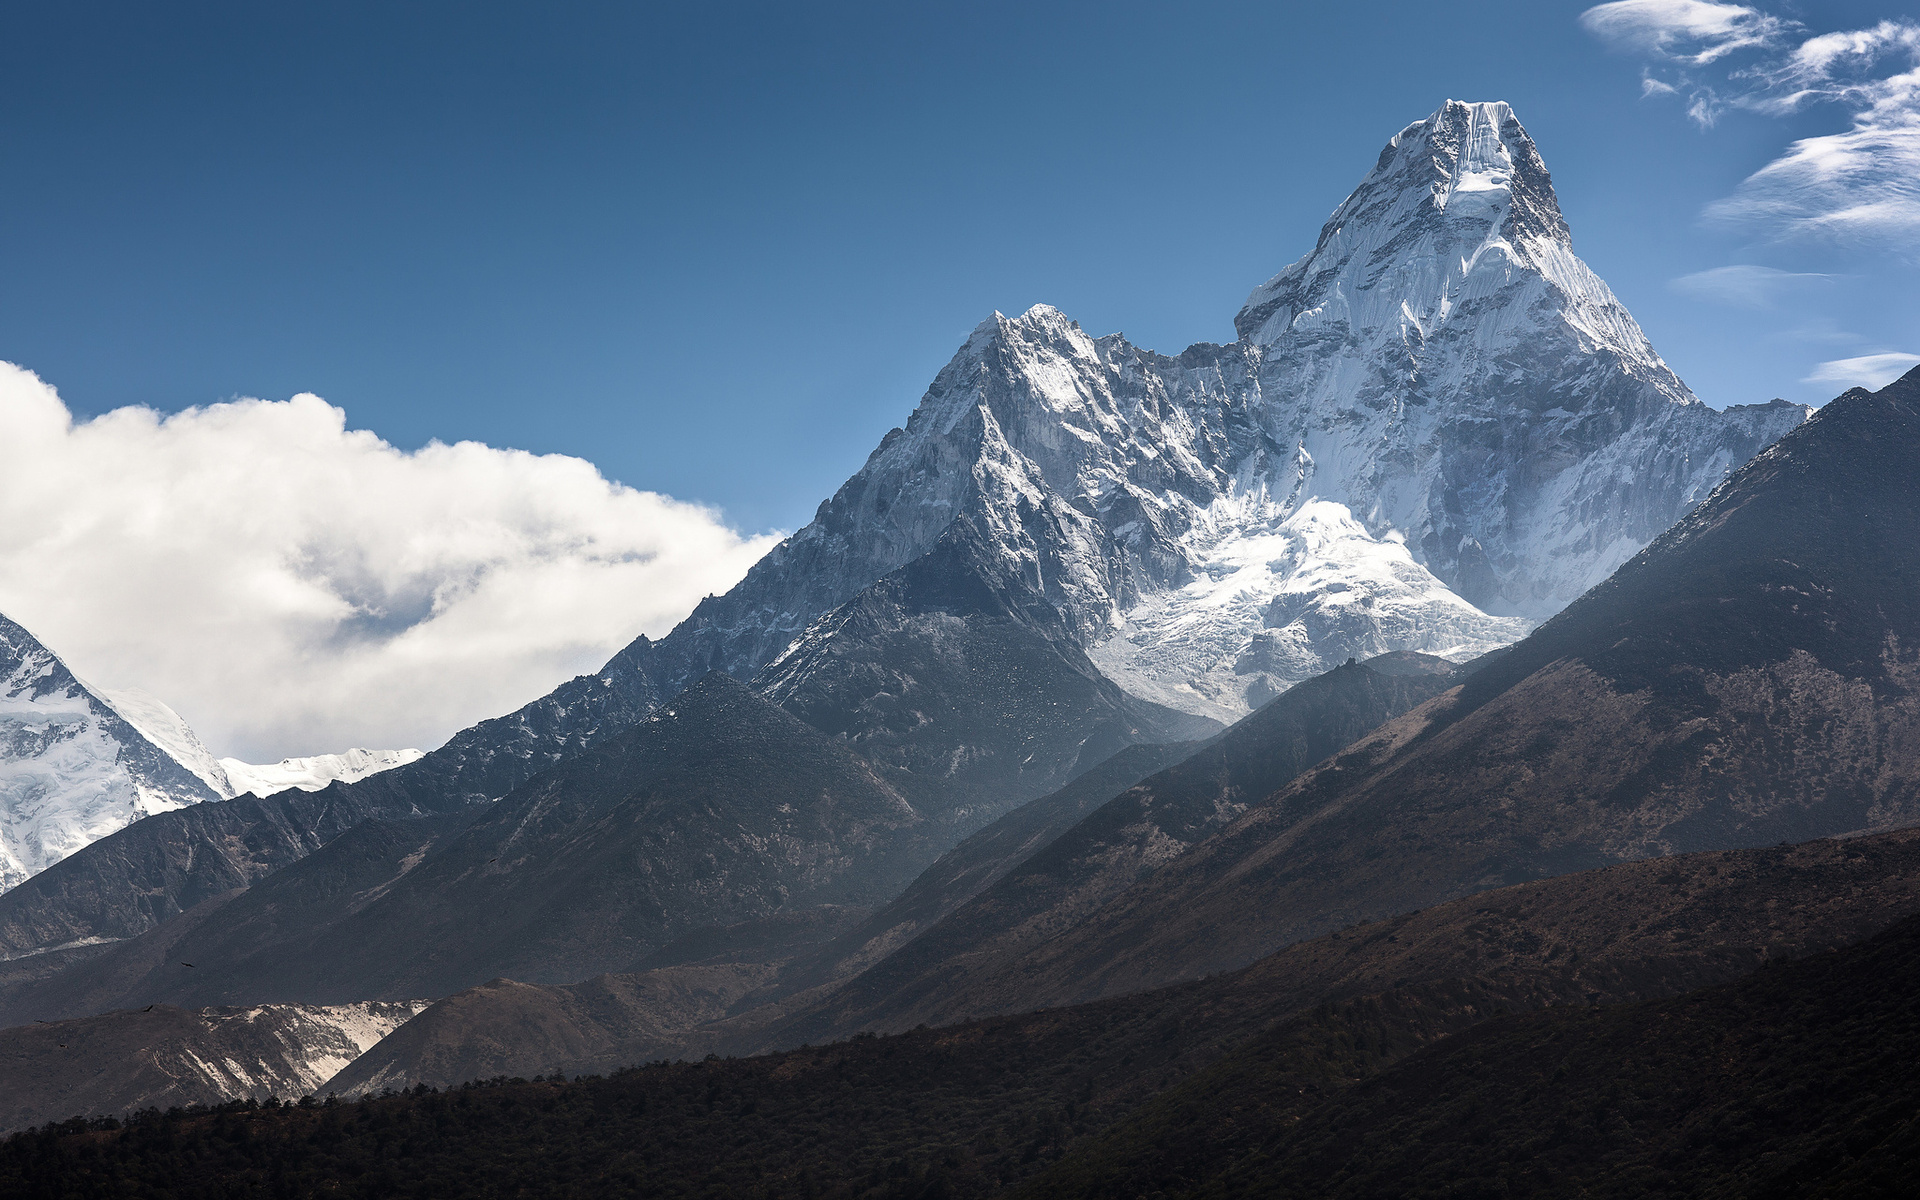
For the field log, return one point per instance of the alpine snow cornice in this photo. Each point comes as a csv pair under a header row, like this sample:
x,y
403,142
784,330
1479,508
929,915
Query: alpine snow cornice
x,y
1435,430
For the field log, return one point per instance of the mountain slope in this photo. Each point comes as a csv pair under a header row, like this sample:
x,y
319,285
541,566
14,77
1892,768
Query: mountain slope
x,y
1033,867
129,881
126,1061
1790,1082
932,979
1750,677
232,947
720,808
968,689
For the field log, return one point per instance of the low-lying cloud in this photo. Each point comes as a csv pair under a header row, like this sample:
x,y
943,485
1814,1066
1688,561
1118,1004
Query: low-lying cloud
x,y
293,587
1857,185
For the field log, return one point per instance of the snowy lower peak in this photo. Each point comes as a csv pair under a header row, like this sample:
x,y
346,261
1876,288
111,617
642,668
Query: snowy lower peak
x,y
78,763
314,773
1436,429
231,777
72,770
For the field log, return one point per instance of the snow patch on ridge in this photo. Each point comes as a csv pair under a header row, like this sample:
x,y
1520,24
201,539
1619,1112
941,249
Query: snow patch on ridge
x,y
314,773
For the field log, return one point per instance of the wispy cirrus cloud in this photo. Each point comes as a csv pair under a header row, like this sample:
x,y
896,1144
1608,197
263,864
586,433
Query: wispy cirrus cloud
x,y
1859,185
1690,31
1746,285
1868,370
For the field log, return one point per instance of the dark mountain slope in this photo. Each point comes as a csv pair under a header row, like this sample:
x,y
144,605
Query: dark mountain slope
x,y
127,883
930,979
238,940
960,679
1104,855
977,863
156,868
974,1108
1650,928
1752,677
163,1056
719,809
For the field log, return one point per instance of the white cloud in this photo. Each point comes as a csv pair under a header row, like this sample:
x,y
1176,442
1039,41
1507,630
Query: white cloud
x,y
1862,185
1690,31
1744,286
294,587
1873,371
1859,185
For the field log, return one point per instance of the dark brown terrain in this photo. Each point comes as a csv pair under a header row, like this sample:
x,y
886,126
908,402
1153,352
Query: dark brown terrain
x,y
1637,930
973,1109
1114,847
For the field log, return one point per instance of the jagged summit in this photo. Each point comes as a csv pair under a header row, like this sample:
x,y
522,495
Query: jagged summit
x,y
1465,179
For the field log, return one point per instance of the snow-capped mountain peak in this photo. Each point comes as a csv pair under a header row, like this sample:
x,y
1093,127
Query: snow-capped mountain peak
x,y
72,769
168,730
1437,427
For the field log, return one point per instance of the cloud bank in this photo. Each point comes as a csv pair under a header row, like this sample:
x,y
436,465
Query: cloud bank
x,y
1859,185
295,587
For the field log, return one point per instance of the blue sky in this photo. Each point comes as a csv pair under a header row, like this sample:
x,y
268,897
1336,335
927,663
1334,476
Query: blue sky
x,y
719,249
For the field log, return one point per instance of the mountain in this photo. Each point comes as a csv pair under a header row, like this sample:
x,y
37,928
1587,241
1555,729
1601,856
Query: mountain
x,y
718,809
130,881
1749,678
162,1057
79,763
1432,431
1789,1082
1436,428
1032,870
239,940
1638,930
968,689
72,768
